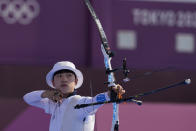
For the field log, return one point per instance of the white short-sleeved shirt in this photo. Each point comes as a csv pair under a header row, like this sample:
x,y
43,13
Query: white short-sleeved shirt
x,y
64,117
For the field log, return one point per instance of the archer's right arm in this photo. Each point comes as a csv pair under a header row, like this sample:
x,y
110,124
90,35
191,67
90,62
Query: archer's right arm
x,y
45,99
35,99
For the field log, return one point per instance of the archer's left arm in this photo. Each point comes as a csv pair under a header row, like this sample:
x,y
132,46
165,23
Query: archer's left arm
x,y
98,98
92,109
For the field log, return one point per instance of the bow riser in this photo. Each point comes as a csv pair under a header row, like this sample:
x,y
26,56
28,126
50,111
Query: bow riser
x,y
111,82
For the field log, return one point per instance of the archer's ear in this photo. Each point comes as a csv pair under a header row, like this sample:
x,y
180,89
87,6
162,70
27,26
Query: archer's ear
x,y
76,80
53,83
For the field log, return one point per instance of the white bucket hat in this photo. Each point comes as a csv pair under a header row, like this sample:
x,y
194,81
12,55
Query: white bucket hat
x,y
61,66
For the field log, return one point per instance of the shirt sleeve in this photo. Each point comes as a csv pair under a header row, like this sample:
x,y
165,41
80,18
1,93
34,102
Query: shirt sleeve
x,y
34,98
92,109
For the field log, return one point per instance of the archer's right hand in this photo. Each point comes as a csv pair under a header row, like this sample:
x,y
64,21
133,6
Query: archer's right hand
x,y
54,95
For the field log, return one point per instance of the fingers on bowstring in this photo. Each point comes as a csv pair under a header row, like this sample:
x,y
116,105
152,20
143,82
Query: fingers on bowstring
x,y
57,96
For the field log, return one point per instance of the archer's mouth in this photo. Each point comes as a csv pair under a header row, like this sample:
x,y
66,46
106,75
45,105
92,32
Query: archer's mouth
x,y
64,85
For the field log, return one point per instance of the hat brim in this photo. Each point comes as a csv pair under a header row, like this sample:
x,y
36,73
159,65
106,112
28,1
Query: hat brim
x,y
49,76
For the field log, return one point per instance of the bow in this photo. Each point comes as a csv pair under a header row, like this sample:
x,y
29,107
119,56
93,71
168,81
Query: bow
x,y
107,53
116,99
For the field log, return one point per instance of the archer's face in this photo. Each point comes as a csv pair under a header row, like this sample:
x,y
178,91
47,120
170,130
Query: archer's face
x,y
65,82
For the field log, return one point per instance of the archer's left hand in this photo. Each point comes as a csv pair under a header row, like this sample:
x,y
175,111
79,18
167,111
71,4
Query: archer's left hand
x,y
117,89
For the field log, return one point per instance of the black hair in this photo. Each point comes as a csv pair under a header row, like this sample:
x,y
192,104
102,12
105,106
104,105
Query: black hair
x,y
64,71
